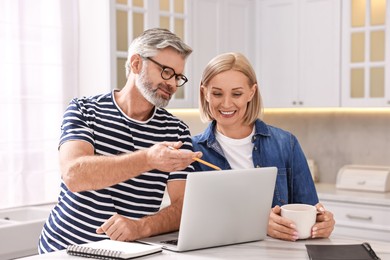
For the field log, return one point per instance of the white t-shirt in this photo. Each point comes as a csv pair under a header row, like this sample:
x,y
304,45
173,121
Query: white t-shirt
x,y
238,152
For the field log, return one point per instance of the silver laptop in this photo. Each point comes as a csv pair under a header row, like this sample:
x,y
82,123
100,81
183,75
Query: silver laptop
x,y
222,208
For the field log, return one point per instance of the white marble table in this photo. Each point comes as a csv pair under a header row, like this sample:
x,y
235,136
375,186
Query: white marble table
x,y
267,249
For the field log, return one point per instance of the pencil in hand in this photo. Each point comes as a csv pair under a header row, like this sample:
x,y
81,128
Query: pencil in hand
x,y
200,160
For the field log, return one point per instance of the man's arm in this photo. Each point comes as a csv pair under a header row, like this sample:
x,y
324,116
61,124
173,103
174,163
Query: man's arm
x,y
82,170
166,220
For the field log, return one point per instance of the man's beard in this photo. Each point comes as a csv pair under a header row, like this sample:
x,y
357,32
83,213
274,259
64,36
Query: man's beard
x,y
145,86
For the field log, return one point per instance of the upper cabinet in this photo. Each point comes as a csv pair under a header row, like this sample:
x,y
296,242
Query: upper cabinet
x,y
217,26
307,53
210,27
299,53
131,17
365,53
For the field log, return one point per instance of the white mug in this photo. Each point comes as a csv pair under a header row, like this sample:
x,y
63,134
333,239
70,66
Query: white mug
x,y
303,216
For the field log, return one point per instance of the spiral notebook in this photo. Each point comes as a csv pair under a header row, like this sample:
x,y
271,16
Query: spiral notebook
x,y
111,249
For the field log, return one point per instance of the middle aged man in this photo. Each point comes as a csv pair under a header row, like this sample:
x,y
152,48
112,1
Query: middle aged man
x,y
114,157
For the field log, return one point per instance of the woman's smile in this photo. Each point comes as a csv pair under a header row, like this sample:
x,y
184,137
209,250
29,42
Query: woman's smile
x,y
227,113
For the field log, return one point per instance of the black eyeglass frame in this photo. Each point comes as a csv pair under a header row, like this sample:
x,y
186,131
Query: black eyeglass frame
x,y
170,71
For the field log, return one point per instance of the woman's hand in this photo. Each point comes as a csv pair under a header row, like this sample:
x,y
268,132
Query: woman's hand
x,y
324,223
281,228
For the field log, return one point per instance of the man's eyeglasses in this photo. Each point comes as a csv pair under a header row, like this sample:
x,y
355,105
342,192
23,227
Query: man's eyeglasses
x,y
168,73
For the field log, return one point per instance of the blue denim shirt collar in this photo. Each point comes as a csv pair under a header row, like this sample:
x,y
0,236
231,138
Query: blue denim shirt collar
x,y
208,136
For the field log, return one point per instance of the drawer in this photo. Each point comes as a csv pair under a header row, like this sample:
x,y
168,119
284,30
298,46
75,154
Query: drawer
x,y
360,220
360,215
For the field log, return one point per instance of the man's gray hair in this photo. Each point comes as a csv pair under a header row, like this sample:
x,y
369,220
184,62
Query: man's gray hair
x,y
153,40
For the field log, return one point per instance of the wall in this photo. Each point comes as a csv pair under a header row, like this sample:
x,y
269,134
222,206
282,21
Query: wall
x,y
333,138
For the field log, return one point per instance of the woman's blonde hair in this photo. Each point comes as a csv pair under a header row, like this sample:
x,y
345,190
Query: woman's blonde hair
x,y
224,62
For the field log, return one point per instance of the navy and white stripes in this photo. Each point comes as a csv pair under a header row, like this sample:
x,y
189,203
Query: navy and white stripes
x,y
99,121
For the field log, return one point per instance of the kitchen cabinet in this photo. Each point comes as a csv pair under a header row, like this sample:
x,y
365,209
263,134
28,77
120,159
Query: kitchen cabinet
x,y
365,53
130,18
210,27
298,52
218,26
358,214
307,53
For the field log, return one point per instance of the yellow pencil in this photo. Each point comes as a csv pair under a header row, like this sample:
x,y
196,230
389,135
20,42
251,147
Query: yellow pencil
x,y
207,163
200,160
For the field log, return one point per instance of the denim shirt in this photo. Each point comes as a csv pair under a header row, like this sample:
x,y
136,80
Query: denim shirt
x,y
272,146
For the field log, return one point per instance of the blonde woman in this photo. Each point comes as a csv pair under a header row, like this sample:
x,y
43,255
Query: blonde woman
x,y
237,138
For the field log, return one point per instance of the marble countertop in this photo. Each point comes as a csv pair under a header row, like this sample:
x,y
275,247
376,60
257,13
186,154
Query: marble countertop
x,y
267,249
328,191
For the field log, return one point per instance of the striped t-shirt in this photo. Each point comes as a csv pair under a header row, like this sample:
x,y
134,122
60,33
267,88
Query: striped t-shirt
x,y
99,121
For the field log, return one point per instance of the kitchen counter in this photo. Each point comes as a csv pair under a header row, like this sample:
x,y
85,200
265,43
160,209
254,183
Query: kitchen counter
x,y
268,249
329,192
360,214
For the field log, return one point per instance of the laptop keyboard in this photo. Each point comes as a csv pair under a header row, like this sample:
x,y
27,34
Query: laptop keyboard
x,y
170,242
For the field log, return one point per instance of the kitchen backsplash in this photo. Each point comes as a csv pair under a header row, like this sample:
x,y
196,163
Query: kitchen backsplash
x,y
331,138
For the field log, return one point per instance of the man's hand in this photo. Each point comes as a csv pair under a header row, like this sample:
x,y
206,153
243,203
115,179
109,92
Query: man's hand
x,y
123,229
160,157
166,220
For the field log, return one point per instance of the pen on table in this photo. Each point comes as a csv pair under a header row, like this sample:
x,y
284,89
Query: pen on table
x,y
200,160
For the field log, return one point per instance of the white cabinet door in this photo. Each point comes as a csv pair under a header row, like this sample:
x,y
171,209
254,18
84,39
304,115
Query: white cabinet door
x,y
278,52
319,53
206,38
238,27
219,26
365,53
128,19
299,46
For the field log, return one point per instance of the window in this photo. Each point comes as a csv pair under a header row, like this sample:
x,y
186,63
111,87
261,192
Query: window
x,y
38,67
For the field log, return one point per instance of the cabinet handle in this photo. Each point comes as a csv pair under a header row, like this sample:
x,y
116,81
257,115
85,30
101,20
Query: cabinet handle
x,y
301,102
294,102
367,218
